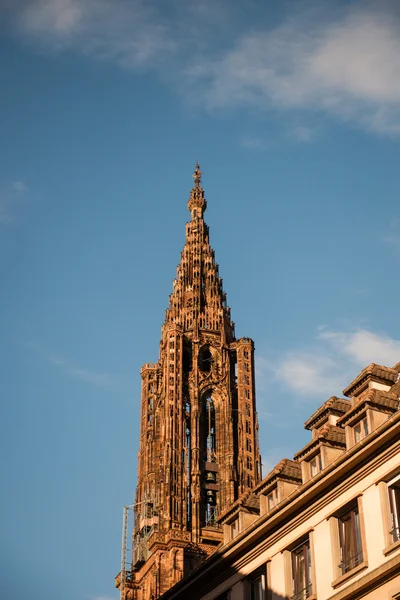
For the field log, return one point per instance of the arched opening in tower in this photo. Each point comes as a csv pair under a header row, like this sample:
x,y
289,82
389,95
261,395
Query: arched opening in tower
x,y
209,448
205,359
187,357
188,460
209,423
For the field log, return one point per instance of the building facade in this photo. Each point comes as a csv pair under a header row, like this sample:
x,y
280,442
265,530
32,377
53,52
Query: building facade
x,y
198,427
323,525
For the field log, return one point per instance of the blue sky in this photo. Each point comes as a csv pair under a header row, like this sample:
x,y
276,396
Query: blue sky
x,y
293,110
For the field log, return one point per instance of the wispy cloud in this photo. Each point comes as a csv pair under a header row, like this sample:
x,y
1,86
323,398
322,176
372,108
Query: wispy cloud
x,y
130,33
345,63
338,59
74,371
330,362
392,235
10,199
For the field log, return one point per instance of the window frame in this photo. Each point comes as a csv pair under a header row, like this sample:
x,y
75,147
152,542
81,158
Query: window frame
x,y
306,591
317,459
273,495
257,576
345,568
384,485
393,487
364,429
350,542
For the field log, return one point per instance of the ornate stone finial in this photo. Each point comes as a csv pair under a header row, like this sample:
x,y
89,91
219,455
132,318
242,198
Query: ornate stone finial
x,y
197,203
197,175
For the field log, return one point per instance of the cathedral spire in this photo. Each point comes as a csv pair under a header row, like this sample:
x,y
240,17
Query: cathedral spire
x,y
198,428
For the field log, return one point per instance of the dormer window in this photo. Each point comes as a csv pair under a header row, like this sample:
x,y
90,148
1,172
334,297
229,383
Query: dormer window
x,y
361,429
235,528
272,499
315,465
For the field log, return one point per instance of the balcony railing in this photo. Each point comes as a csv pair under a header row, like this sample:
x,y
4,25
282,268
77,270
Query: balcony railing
x,y
303,594
351,562
395,533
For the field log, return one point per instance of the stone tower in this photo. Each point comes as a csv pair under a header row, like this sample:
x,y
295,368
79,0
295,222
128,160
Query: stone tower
x,y
198,426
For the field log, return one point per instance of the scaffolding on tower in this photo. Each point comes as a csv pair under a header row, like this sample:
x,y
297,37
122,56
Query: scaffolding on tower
x,y
139,521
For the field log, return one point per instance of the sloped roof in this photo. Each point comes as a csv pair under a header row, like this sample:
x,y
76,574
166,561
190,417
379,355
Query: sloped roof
x,y
248,501
334,405
387,401
385,374
332,434
286,469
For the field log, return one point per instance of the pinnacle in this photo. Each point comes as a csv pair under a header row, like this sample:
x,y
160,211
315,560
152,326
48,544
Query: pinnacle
x,y
197,203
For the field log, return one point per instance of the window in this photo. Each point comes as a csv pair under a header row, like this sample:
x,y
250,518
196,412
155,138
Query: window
x,y
246,354
248,427
315,465
361,429
301,571
249,463
272,499
248,444
205,359
246,366
224,596
247,394
394,505
257,584
235,528
351,553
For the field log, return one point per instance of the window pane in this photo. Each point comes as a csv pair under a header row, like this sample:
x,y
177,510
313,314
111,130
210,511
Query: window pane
x,y
350,540
301,572
394,498
257,588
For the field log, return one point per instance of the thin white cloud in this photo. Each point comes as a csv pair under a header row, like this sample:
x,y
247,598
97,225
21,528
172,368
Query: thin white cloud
x,y
129,33
74,371
10,198
302,133
346,65
337,59
19,187
330,363
392,235
362,347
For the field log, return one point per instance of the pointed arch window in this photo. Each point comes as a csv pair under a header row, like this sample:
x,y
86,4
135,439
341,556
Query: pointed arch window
x,y
209,426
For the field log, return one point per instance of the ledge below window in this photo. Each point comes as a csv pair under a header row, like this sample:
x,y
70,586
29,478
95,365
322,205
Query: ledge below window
x,y
391,548
350,574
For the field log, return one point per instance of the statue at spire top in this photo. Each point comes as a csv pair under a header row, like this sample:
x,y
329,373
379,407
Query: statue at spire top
x,y
197,175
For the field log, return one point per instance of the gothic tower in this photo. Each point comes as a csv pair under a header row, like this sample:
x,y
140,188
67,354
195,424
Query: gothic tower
x,y
198,427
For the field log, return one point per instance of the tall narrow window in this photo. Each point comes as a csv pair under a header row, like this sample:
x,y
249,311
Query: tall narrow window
x,y
315,465
301,571
205,359
394,503
188,464
351,553
361,429
257,584
210,430
272,499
